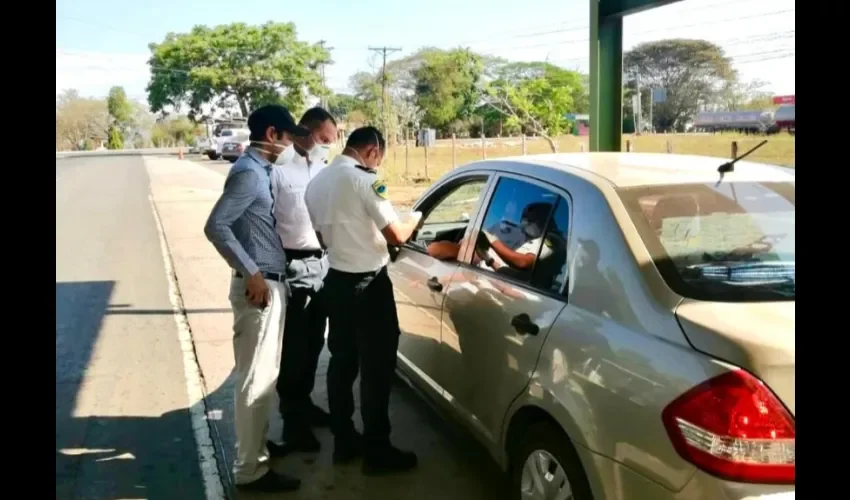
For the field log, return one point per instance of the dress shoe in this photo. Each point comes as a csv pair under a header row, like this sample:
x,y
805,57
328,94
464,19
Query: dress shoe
x,y
271,482
347,449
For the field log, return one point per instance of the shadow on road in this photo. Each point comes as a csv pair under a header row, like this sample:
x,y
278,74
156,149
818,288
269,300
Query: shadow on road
x,y
155,457
111,457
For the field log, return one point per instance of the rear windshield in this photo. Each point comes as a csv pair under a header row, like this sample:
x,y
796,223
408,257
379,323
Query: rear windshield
x,y
226,133
732,242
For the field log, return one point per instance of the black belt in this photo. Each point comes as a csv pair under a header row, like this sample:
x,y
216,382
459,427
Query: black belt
x,y
303,254
269,276
366,274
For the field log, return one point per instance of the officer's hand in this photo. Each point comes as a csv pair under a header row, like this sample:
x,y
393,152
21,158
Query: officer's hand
x,y
257,290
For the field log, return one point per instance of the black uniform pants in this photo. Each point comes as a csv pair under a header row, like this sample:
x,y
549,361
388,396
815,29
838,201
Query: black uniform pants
x,y
364,334
303,337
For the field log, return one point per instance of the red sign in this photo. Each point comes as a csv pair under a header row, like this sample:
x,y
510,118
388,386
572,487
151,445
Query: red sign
x,y
784,99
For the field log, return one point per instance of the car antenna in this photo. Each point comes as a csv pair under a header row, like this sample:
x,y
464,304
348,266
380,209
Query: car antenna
x,y
729,166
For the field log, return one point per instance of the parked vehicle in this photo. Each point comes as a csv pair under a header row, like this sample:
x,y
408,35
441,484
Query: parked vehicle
x,y
638,343
231,150
201,145
226,135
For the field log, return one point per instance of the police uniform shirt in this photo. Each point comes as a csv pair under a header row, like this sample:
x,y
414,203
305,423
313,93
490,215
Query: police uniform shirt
x,y
292,221
348,207
532,246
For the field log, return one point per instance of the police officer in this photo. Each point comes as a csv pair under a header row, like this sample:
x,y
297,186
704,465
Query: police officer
x,y
354,220
306,319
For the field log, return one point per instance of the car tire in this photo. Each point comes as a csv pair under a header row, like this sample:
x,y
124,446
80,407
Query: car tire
x,y
212,156
232,160
543,445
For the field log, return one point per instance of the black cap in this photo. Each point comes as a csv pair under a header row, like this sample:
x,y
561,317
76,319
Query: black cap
x,y
275,116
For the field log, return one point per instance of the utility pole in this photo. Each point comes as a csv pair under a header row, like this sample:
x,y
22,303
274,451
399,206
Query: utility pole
x,y
323,101
638,111
384,51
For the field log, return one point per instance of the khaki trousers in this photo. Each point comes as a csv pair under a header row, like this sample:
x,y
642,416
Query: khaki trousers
x,y
257,342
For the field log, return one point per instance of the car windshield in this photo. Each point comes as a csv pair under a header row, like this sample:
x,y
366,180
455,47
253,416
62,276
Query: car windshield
x,y
729,242
226,133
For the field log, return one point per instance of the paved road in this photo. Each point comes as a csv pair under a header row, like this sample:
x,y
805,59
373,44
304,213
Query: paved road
x,y
122,427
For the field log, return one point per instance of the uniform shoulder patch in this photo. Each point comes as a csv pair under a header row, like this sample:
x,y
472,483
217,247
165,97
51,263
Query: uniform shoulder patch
x,y
380,189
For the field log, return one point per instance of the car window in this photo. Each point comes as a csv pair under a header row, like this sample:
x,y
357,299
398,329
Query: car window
x,y
731,242
512,238
458,205
550,273
444,223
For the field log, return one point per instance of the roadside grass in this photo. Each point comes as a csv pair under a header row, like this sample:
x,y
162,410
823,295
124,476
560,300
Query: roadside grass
x,y
408,175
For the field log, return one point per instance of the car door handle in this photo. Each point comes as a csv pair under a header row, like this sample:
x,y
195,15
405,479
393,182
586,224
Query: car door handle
x,y
434,284
522,324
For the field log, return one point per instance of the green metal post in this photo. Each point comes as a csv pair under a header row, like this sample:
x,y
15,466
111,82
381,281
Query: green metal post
x,y
606,80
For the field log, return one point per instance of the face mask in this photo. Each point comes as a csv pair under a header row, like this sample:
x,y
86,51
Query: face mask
x,y
319,153
531,229
276,150
285,156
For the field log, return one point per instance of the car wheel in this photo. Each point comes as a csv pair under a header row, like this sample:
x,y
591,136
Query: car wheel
x,y
545,466
212,156
232,160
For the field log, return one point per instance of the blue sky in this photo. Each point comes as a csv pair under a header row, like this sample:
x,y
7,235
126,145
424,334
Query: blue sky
x,y
100,44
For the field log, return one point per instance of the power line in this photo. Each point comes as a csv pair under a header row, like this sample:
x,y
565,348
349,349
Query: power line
x,y
585,27
667,29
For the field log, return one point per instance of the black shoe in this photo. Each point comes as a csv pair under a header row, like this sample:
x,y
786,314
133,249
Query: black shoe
x,y
318,417
277,450
301,439
271,482
347,449
388,460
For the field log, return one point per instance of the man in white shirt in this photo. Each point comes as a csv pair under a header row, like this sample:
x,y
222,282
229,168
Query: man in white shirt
x,y
306,266
350,211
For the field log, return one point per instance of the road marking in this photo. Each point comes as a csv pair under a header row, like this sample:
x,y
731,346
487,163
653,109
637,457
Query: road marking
x,y
213,487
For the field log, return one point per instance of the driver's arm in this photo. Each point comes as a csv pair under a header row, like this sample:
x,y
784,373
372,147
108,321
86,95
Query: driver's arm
x,y
522,258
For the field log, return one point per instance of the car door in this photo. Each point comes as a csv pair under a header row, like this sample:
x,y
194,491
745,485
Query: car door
x,y
418,277
495,321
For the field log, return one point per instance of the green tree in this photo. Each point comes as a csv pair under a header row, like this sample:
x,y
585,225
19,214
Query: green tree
x,y
535,97
116,138
121,114
447,87
120,107
341,105
174,131
691,71
251,65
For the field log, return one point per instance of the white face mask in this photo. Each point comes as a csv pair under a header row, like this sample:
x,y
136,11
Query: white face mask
x,y
285,156
319,153
531,229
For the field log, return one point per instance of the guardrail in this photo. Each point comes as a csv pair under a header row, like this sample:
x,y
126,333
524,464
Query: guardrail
x,y
122,152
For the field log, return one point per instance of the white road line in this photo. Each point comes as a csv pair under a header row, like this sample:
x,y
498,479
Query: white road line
x,y
213,487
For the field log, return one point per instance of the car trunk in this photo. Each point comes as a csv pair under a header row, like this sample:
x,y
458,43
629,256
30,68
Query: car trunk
x,y
757,336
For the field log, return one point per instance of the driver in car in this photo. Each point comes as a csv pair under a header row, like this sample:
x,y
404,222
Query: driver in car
x,y
491,252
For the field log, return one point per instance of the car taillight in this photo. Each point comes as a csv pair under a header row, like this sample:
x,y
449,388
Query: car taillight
x,y
734,427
